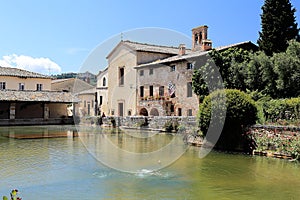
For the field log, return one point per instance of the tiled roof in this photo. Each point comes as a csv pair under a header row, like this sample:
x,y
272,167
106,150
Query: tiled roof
x,y
90,91
149,48
9,71
37,96
193,54
72,85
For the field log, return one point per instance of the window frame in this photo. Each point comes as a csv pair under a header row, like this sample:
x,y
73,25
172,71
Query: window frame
x,y
161,91
21,86
39,87
141,72
151,71
151,90
2,85
172,68
189,66
189,89
121,76
104,82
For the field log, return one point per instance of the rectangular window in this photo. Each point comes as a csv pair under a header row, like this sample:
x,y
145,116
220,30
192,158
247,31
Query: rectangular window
x,y
179,111
21,86
2,85
151,90
141,72
172,68
121,108
84,104
161,91
101,100
189,66
190,112
172,108
150,71
141,91
189,89
121,76
39,87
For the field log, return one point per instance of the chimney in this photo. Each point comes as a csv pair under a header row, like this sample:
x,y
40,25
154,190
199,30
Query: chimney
x,y
181,49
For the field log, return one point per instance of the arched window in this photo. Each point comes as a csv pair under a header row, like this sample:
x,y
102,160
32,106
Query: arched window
x,y
104,82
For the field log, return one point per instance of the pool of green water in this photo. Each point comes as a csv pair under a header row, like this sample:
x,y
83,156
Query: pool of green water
x,y
64,168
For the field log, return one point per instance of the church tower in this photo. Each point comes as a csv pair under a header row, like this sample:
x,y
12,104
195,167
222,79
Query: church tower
x,y
199,39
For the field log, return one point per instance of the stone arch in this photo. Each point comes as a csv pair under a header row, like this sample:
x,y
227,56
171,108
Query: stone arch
x,y
154,112
144,112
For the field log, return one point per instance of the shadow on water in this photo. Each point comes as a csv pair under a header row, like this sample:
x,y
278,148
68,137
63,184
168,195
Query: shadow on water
x,y
38,132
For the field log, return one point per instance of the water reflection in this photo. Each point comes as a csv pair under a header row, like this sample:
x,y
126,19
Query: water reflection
x,y
62,168
133,152
36,132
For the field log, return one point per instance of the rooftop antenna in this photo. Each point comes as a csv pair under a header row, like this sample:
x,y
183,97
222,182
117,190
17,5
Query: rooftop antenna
x,y
121,36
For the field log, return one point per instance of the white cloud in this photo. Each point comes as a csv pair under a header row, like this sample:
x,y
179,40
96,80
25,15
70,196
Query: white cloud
x,y
40,65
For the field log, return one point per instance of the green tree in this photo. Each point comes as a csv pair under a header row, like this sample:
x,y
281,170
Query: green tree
x,y
231,64
278,26
261,75
287,68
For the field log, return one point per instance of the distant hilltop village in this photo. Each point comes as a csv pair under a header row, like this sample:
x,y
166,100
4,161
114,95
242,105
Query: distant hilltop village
x,y
86,76
140,79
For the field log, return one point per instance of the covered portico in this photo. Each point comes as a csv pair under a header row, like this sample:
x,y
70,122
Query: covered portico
x,y
35,107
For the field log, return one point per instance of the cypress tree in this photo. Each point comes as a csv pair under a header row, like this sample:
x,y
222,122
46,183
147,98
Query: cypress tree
x,y
279,25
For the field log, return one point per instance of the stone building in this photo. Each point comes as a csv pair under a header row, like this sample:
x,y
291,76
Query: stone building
x,y
155,80
122,81
165,86
26,98
84,92
102,92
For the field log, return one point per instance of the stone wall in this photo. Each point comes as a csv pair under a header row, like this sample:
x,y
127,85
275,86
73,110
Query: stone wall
x,y
157,122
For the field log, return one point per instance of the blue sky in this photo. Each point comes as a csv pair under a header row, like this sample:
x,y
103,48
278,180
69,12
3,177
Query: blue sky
x,y
59,35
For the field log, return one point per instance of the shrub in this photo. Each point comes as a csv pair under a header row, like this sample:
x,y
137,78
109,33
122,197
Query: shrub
x,y
241,113
168,126
171,125
282,109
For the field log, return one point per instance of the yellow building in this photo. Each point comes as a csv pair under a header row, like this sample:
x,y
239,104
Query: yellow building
x,y
122,82
26,98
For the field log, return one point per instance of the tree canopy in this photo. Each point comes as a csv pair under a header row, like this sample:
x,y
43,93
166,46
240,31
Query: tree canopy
x,y
278,26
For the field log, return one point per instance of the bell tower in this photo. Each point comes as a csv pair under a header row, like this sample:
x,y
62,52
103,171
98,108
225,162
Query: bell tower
x,y
199,39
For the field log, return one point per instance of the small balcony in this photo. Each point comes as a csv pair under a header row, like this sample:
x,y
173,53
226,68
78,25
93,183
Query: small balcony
x,y
155,98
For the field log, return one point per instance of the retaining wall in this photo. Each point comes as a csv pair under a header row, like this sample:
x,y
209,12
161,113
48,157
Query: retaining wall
x,y
156,122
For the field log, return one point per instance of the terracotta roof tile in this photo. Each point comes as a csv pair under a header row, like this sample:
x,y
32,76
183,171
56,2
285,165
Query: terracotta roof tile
x,y
37,96
9,71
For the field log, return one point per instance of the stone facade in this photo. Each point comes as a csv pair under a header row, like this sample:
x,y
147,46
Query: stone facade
x,y
154,80
155,123
154,85
122,83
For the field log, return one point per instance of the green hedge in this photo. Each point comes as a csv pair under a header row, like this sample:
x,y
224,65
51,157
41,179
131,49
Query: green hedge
x,y
241,113
281,109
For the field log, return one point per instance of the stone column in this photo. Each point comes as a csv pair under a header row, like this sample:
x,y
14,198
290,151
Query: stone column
x,y
12,112
46,111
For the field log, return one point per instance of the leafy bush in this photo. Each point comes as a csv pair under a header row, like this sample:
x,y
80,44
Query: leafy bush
x,y
171,125
168,126
282,109
241,113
